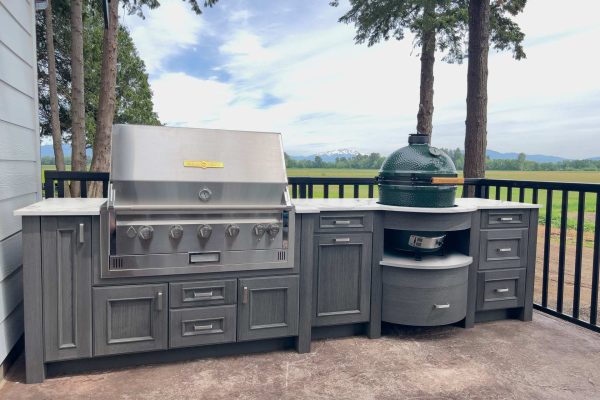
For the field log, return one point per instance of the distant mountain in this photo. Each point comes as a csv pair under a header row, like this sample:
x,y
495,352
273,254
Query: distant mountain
x,y
495,155
330,156
594,158
47,150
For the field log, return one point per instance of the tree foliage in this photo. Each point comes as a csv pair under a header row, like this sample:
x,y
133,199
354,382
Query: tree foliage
x,y
134,96
384,19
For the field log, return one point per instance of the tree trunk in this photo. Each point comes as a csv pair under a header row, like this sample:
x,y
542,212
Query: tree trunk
x,y
425,114
106,103
477,76
78,142
59,157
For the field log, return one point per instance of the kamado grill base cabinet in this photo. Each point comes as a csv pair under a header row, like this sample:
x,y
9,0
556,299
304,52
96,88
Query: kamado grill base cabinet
x,y
343,281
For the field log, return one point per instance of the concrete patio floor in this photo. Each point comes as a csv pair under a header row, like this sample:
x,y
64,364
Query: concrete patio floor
x,y
543,359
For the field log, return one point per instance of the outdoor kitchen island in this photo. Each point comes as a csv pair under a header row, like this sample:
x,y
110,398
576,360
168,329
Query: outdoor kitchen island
x,y
76,319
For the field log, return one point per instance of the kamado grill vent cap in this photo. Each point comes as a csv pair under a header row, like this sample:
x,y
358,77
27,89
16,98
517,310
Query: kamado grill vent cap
x,y
418,175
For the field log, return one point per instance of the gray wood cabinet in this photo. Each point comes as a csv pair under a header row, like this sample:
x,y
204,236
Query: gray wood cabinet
x,y
342,278
66,287
267,307
130,318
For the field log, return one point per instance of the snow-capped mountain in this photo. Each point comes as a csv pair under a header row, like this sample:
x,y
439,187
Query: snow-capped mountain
x,y
331,155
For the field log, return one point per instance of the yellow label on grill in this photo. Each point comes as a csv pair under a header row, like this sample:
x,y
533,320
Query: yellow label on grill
x,y
203,164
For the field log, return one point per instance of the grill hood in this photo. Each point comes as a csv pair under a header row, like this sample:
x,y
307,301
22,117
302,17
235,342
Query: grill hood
x,y
164,167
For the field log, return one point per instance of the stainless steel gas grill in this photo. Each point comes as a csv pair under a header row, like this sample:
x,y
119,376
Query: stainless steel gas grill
x,y
187,201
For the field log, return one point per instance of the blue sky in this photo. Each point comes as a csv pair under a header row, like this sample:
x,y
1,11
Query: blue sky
x,y
289,66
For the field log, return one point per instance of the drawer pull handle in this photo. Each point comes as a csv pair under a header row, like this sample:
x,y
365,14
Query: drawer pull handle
x,y
505,250
202,294
159,301
441,306
506,219
203,327
502,290
342,222
81,233
342,240
245,295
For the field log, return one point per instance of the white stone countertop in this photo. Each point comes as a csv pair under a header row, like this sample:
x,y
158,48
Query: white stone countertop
x,y
76,206
67,206
307,206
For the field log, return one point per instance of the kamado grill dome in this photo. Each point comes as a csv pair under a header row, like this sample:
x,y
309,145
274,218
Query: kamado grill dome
x,y
418,175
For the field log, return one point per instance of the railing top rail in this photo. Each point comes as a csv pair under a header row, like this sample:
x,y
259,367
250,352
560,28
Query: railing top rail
x,y
569,186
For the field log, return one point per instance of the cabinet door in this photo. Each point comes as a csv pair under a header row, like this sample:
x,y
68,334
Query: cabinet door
x,y
267,307
67,287
130,318
342,279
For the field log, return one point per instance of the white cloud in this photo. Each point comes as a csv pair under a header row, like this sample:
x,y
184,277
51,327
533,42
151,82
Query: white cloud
x,y
333,93
165,32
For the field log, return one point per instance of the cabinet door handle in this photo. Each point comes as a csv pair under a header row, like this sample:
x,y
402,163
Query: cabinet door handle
x,y
245,295
342,240
159,301
502,290
202,294
506,219
203,327
341,222
505,250
82,233
441,306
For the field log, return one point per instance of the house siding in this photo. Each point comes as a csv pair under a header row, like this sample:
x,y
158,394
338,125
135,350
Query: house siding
x,y
20,170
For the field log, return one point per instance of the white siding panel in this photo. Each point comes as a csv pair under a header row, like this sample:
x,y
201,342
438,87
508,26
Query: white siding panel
x,y
10,255
11,330
21,11
11,293
16,107
15,36
18,178
10,223
16,72
18,143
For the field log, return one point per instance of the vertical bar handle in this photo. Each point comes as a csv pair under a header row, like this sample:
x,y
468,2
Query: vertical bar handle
x,y
245,295
82,233
159,301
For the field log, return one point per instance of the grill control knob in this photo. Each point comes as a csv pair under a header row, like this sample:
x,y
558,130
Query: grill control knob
x,y
232,231
176,232
131,232
273,230
146,232
204,231
259,230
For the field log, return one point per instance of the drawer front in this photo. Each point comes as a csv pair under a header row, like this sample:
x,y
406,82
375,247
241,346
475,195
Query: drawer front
x,y
203,293
424,306
345,222
505,219
501,289
199,326
503,248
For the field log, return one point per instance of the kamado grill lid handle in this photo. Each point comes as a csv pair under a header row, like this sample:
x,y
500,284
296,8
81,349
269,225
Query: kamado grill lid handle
x,y
418,138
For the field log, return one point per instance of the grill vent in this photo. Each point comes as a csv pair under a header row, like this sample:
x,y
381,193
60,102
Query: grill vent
x,y
116,263
281,255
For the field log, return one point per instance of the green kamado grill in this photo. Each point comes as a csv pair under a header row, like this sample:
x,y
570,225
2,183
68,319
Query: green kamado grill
x,y
418,175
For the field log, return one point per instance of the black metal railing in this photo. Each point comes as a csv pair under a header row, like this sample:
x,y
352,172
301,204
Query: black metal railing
x,y
565,289
55,181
